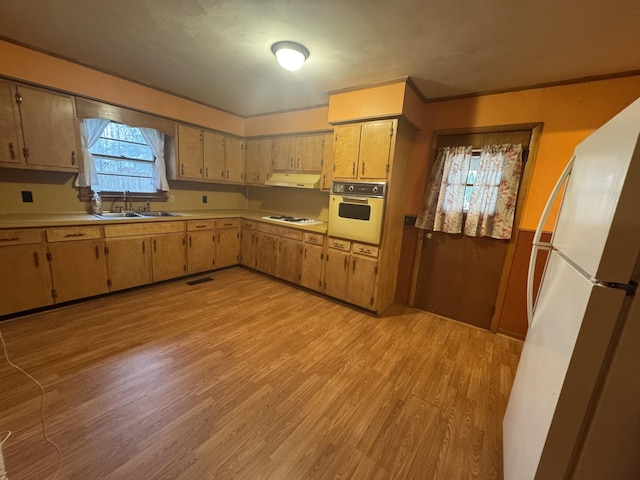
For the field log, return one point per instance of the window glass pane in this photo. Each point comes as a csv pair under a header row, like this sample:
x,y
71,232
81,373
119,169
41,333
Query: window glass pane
x,y
123,160
467,198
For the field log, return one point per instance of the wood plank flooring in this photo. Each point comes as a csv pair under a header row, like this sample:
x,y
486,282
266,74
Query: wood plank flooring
x,y
244,377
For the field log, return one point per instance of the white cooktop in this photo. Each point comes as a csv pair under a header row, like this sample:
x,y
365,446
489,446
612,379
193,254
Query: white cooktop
x,y
291,220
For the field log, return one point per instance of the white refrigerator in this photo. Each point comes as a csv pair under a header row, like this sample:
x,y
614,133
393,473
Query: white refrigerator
x,y
574,408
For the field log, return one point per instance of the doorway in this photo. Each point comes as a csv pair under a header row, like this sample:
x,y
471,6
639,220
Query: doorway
x,y
459,277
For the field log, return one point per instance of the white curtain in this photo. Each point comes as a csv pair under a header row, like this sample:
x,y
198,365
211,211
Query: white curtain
x,y
442,208
495,192
155,139
90,131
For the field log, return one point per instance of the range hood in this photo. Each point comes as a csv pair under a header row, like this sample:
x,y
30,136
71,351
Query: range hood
x,y
295,180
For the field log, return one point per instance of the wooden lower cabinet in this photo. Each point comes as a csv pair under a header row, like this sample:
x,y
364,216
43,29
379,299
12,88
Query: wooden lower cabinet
x,y
266,253
128,262
25,281
248,247
336,271
312,263
227,247
78,269
362,281
201,251
289,260
169,260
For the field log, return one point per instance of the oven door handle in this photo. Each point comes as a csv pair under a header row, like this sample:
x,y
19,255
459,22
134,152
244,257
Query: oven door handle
x,y
363,201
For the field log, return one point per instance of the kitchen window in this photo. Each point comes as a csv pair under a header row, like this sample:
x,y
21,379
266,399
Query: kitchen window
x,y
123,160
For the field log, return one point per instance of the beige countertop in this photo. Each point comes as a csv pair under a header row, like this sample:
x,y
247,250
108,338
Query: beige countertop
x,y
32,220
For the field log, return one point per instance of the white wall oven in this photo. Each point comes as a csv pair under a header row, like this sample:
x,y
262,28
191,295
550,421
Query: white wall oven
x,y
356,210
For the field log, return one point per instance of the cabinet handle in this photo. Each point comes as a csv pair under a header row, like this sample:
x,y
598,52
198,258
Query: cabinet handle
x,y
201,226
73,157
143,247
354,265
97,253
12,154
36,261
298,163
218,238
25,152
227,225
353,168
70,235
9,239
155,246
189,241
222,174
362,168
346,263
227,174
305,253
182,169
206,172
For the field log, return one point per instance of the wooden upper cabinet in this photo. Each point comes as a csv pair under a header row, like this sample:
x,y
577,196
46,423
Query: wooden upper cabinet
x,y
346,149
283,154
38,129
327,162
214,156
190,152
257,160
362,151
10,132
309,153
375,148
234,152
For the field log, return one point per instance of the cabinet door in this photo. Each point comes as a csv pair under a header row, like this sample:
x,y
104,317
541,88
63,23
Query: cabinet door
x,y
228,247
327,163
234,152
266,253
375,144
214,156
346,149
362,281
78,269
128,262
248,244
201,251
264,160
169,259
190,152
312,262
50,129
289,263
309,153
25,281
10,149
283,153
251,159
336,269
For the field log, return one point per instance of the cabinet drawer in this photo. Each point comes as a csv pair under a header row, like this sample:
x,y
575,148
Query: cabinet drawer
x,y
340,244
73,233
364,249
249,224
195,225
127,229
20,237
228,223
315,238
281,231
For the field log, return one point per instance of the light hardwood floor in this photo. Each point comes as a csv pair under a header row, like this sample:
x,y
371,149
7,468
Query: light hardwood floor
x,y
244,377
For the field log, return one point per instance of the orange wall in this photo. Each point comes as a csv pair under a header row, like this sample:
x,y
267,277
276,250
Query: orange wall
x,y
31,66
313,119
569,114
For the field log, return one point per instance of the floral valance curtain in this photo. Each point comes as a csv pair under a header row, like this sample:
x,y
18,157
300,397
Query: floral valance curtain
x,y
493,191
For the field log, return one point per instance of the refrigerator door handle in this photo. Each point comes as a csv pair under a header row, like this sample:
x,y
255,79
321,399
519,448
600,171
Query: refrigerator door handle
x,y
537,243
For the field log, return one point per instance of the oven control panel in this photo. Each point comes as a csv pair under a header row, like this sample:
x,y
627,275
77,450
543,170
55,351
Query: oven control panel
x,y
359,189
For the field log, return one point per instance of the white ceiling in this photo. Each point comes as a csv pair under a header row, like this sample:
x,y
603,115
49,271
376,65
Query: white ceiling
x,y
218,51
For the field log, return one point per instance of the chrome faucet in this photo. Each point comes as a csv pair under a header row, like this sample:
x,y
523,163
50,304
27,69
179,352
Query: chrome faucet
x,y
128,206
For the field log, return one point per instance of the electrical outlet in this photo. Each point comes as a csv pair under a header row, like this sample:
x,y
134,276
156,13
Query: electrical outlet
x,y
27,196
172,199
204,199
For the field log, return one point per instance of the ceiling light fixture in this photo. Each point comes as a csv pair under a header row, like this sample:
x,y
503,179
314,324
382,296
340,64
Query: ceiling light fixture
x,y
290,55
